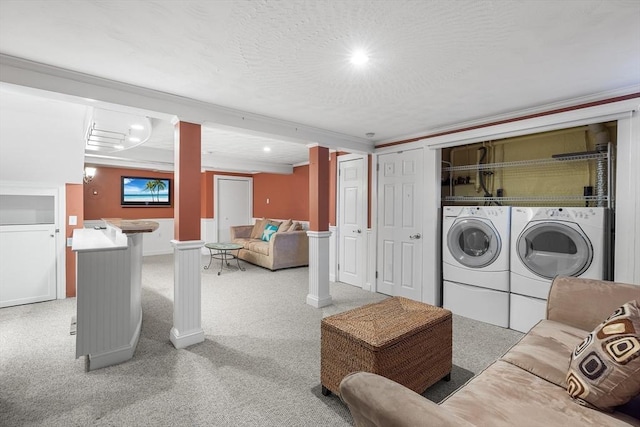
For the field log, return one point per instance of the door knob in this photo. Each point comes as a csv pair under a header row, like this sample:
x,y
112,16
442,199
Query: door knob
x,y
415,236
357,231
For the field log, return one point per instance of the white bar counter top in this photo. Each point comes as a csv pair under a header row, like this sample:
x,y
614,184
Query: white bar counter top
x,y
88,239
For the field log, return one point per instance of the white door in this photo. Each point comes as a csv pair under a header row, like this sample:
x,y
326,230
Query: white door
x,y
352,182
27,264
400,198
233,204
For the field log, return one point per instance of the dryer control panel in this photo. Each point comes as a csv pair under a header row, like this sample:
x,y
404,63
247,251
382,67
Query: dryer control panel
x,y
476,211
565,214
593,217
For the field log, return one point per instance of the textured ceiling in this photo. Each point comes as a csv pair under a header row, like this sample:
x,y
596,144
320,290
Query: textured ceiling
x,y
432,63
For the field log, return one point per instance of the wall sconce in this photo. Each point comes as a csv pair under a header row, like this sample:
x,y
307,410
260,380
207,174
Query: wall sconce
x,y
88,174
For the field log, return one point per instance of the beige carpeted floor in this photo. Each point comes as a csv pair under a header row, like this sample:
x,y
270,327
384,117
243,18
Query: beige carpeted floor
x,y
259,364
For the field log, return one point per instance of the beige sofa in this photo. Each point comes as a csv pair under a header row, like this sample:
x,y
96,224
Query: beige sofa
x,y
525,387
288,247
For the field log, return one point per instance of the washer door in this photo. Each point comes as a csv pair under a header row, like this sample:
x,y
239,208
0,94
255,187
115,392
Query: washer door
x,y
550,249
473,243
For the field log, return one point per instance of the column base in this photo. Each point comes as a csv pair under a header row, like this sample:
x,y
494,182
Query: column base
x,y
314,301
187,326
185,340
319,295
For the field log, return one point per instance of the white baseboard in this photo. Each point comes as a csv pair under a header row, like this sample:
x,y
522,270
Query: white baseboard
x,y
113,357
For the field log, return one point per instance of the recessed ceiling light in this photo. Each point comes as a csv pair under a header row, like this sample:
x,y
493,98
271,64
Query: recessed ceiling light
x,y
137,127
266,149
134,139
359,58
118,147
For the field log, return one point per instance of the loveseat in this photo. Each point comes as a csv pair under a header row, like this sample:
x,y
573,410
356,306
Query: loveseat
x,y
286,246
528,385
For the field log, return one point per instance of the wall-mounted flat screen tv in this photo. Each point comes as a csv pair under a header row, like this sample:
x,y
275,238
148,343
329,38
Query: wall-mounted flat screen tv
x,y
140,191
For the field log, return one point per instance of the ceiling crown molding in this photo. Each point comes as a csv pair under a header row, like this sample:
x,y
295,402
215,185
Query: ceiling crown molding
x,y
515,115
29,74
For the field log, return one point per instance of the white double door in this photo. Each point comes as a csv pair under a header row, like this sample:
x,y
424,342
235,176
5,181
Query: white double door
x,y
400,219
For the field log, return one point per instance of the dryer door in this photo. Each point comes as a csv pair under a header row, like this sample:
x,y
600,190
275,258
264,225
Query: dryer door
x,y
473,243
549,249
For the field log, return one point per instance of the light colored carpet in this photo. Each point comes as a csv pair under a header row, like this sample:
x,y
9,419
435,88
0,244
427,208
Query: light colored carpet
x,y
259,364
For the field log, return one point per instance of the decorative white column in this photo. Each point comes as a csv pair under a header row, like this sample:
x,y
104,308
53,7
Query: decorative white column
x,y
187,328
319,269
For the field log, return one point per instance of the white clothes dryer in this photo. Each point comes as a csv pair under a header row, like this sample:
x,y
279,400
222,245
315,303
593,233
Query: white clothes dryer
x,y
475,262
547,242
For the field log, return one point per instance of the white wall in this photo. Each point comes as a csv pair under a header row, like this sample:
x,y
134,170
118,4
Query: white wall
x,y
43,157
51,152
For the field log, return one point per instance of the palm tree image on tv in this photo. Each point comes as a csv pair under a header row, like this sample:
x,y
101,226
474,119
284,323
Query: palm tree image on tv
x,y
145,191
154,187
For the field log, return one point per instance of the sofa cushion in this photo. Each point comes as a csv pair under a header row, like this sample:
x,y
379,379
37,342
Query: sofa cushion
x,y
285,226
258,246
295,226
504,395
605,366
242,241
546,350
258,228
268,232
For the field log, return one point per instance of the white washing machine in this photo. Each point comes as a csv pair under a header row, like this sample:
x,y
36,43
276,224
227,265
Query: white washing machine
x,y
475,262
547,242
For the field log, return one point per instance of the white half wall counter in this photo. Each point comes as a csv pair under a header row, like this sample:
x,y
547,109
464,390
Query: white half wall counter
x,y
109,306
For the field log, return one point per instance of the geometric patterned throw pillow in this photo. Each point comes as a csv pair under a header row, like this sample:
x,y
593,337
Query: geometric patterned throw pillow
x,y
269,230
605,368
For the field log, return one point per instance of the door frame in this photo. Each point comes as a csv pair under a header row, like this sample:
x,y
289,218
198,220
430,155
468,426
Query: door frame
x,y
216,207
365,200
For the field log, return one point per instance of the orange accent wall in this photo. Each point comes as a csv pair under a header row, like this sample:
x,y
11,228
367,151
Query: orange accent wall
x,y
106,203
319,188
187,182
74,206
288,195
102,195
206,195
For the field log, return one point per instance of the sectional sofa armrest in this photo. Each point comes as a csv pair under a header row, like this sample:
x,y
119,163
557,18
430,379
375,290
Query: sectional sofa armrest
x,y
291,245
240,232
376,401
585,303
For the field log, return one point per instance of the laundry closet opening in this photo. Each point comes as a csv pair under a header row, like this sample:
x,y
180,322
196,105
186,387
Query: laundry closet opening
x,y
517,212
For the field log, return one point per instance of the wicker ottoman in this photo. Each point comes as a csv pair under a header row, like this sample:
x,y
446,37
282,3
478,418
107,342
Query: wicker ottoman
x,y
404,340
